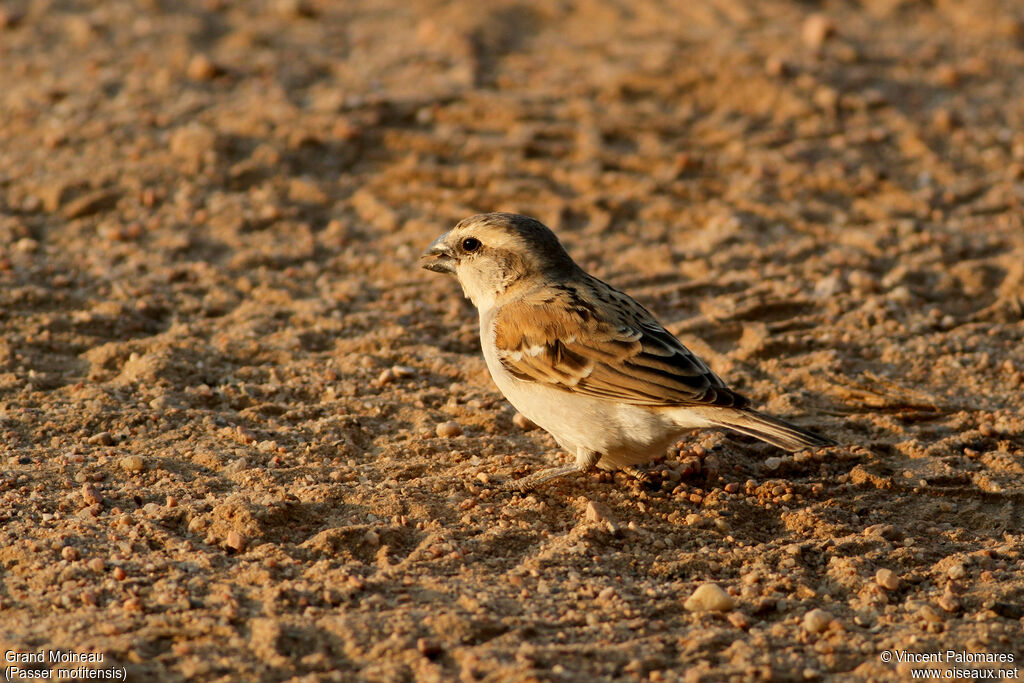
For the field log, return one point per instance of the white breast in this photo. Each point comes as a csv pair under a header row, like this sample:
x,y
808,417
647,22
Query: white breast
x,y
624,434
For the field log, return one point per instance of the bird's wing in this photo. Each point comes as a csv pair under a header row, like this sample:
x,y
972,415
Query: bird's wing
x,y
590,339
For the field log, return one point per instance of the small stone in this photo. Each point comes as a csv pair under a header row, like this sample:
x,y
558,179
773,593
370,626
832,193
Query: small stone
x,y
26,245
69,553
817,29
133,605
202,68
776,66
372,538
817,621
171,502
193,143
956,571
294,9
947,75
709,597
403,371
523,422
119,574
101,439
91,495
8,19
607,594
97,565
235,541
428,648
949,602
88,204
739,620
944,120
887,579
596,512
862,281
448,430
132,463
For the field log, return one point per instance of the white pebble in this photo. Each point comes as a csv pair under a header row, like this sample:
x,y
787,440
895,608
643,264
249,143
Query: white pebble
x,y
817,620
709,597
448,430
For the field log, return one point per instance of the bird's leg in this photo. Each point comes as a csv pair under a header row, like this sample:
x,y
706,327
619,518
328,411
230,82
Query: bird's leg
x,y
644,478
586,461
638,474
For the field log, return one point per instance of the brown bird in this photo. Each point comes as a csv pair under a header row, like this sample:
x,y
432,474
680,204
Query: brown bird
x,y
582,359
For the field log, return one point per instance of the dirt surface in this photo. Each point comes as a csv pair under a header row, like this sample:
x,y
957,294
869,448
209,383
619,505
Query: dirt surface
x,y
222,373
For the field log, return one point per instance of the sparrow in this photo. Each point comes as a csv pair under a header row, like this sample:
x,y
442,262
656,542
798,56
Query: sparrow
x,y
582,359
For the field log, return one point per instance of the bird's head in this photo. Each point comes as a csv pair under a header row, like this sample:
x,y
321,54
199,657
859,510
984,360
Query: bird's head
x,y
493,254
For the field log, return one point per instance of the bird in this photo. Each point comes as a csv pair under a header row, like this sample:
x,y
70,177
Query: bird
x,y
582,359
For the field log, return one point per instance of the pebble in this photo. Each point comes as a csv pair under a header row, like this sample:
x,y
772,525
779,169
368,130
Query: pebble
x,y
396,372
709,597
88,204
101,439
97,564
428,648
26,245
202,68
132,463
119,574
372,538
294,9
887,579
448,430
192,142
69,553
91,495
776,66
949,602
596,512
817,29
523,422
235,541
8,19
739,620
817,620
947,75
956,571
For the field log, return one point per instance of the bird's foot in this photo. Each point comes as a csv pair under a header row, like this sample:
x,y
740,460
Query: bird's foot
x,y
586,461
526,483
645,479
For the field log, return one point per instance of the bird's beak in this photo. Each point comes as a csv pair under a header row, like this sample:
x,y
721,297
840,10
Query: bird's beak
x,y
438,257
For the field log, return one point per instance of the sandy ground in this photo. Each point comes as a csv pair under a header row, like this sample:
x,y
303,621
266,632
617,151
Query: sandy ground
x,y
221,372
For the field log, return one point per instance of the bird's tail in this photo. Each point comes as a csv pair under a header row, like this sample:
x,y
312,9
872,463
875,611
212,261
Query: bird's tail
x,y
771,429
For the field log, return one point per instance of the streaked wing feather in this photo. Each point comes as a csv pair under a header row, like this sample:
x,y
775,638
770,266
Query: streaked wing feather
x,y
614,352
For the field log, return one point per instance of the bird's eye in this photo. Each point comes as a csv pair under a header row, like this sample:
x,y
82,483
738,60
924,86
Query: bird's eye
x,y
470,244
